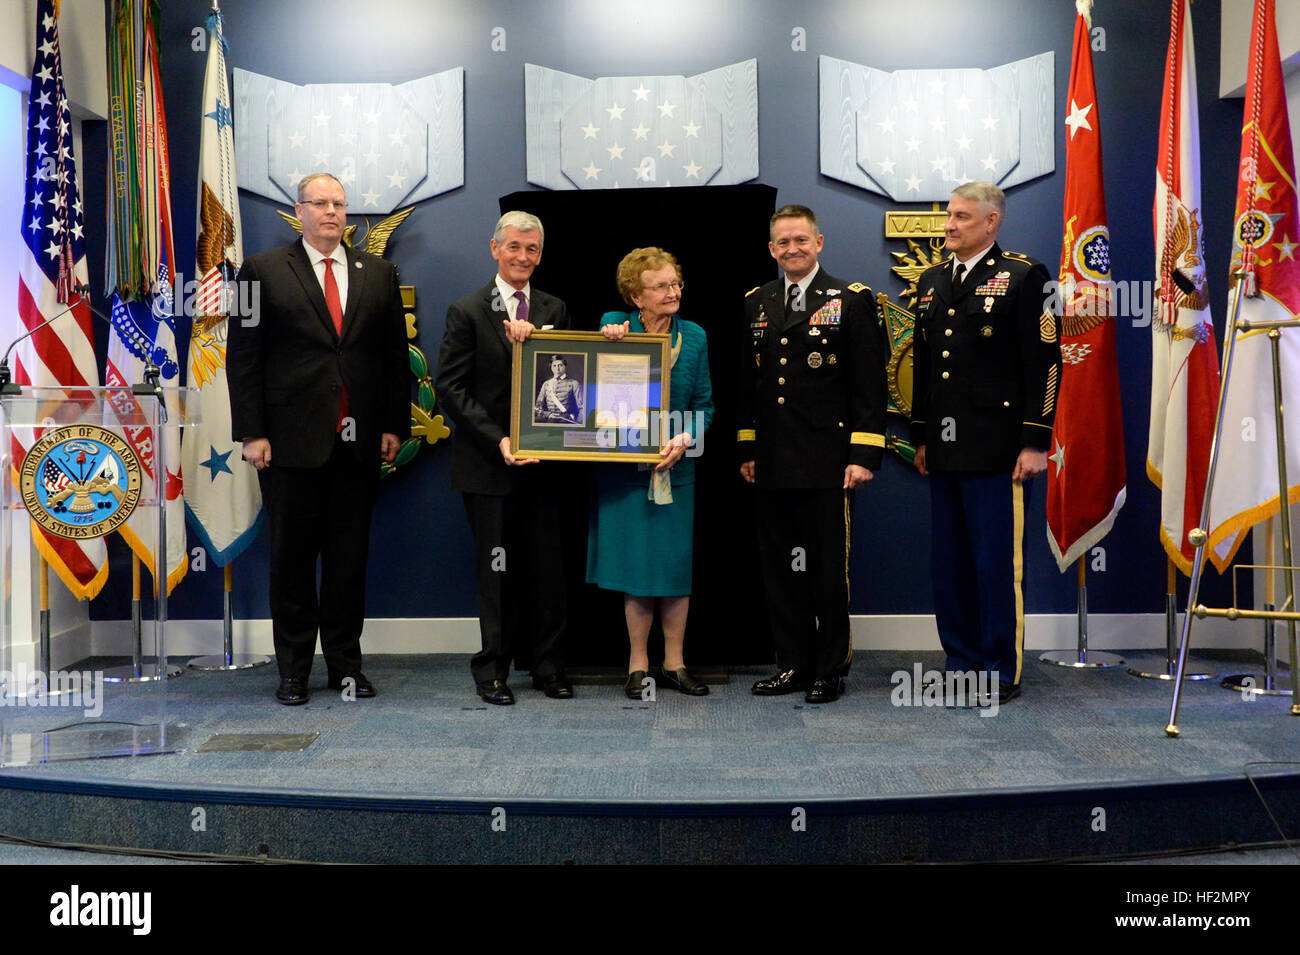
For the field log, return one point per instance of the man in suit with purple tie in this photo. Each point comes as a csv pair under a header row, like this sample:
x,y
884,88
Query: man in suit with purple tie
x,y
510,501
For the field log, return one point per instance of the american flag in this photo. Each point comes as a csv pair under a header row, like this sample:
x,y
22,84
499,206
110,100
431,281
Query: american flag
x,y
53,477
52,259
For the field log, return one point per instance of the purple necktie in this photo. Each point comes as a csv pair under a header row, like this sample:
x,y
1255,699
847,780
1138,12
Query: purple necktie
x,y
521,313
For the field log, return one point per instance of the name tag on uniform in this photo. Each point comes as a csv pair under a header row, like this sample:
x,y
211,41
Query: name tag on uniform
x,y
828,314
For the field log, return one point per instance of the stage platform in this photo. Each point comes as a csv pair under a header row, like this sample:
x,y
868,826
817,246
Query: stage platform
x,y
1078,768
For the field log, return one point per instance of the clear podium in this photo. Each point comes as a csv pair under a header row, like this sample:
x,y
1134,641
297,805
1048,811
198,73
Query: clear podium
x,y
77,466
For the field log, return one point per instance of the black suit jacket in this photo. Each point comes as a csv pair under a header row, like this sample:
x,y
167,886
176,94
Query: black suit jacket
x,y
986,363
286,365
812,385
473,383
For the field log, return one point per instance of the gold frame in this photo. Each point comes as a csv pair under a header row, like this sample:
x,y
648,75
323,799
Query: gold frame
x,y
573,338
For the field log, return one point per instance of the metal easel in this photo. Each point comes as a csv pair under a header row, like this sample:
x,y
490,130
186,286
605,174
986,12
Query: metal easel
x,y
1199,536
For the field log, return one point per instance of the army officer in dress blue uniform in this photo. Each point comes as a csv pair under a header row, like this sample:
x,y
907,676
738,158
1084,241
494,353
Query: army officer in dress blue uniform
x,y
987,364
812,423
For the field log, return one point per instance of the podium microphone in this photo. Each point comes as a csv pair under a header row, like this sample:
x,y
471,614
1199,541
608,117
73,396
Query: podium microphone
x,y
151,385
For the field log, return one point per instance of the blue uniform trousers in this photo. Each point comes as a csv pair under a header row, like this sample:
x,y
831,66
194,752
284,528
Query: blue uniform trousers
x,y
977,536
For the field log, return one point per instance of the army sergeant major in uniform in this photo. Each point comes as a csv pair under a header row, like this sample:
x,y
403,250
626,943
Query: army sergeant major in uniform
x,y
812,422
987,363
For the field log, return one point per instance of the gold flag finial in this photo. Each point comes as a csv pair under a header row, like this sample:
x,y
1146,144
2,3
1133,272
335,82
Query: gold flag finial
x,y
1085,10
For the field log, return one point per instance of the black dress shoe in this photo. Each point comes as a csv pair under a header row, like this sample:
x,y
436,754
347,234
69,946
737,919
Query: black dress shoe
x,y
789,681
681,681
824,691
292,690
1006,692
634,685
363,688
554,686
496,692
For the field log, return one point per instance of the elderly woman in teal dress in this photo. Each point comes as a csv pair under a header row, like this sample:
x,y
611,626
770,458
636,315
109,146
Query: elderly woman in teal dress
x,y
640,538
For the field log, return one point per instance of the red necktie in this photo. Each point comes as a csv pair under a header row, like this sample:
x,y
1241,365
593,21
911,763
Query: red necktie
x,y
336,312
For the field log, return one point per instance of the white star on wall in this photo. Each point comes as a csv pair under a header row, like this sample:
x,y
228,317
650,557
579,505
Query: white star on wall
x,y
615,111
666,148
691,129
371,197
666,109
692,170
886,166
589,131
396,178
322,118
615,151
886,125
296,139
913,184
592,170
640,92
640,130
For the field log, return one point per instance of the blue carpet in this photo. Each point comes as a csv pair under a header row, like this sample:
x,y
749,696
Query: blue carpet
x,y
428,735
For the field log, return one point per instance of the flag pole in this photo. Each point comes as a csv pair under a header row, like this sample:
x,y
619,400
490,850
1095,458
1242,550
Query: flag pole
x,y
1249,682
1148,670
134,672
1081,658
228,659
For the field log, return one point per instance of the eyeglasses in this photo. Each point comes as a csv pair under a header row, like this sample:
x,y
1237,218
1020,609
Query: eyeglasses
x,y
323,204
663,288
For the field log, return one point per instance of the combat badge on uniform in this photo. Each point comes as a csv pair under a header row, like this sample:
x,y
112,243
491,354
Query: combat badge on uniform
x,y
80,482
814,359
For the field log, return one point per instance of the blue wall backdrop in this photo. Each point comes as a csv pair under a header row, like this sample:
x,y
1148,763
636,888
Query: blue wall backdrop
x,y
420,564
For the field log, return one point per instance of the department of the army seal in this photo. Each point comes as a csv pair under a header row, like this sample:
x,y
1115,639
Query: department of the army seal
x,y
81,481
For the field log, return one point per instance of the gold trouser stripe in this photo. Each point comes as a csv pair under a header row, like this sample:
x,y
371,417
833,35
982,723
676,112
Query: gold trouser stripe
x,y
747,434
867,438
1018,568
848,527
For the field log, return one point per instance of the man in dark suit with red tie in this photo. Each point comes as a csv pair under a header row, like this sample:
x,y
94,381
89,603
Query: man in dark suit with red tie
x,y
510,501
319,393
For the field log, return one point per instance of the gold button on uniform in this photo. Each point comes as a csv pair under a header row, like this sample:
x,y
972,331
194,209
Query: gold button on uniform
x,y
945,354
781,400
783,361
952,311
785,341
1006,404
945,374
780,381
947,332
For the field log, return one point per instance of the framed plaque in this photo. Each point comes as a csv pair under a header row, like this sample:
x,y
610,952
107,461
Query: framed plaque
x,y
577,396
